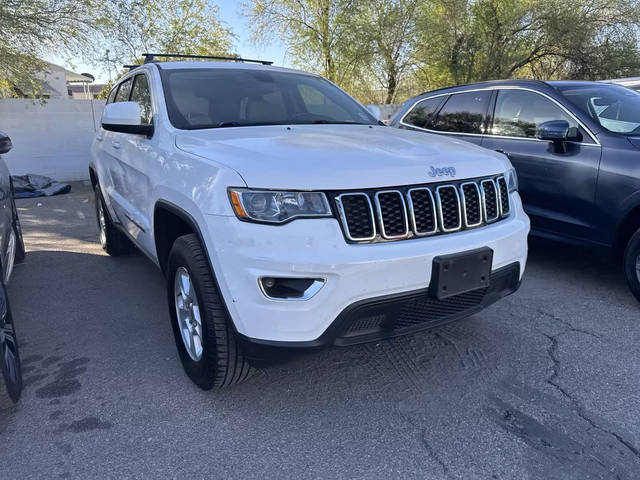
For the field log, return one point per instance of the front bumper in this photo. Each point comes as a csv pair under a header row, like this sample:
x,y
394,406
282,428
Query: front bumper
x,y
243,252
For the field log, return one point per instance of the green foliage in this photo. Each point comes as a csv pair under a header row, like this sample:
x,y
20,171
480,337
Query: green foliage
x,y
379,50
132,27
386,50
318,33
473,40
31,29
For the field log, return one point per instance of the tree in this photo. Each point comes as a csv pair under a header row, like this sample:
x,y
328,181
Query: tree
x,y
471,40
31,29
318,33
132,27
388,33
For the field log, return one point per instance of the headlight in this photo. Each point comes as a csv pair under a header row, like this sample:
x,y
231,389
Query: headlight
x,y
277,206
512,180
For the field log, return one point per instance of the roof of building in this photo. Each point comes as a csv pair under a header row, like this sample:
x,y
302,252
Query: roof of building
x,y
93,88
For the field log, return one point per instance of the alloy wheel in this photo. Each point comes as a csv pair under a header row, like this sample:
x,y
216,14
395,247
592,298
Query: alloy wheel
x,y
16,223
188,313
11,256
102,222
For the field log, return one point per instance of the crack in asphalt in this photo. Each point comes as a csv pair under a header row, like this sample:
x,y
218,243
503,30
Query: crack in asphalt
x,y
432,453
553,381
569,326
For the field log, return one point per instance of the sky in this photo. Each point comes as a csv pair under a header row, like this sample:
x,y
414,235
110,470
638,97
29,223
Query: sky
x,y
230,14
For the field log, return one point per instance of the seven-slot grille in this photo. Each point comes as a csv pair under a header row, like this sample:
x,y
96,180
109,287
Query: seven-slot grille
x,y
408,212
490,197
503,189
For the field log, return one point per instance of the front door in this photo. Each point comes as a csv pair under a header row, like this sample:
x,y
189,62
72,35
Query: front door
x,y
109,148
557,187
133,167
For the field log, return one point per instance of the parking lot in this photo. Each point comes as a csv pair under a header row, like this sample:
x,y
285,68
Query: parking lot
x,y
544,384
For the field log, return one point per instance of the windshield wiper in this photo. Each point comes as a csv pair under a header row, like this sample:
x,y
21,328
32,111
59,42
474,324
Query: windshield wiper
x,y
227,124
327,122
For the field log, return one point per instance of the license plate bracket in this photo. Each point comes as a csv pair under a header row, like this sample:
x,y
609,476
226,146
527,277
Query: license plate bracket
x,y
460,272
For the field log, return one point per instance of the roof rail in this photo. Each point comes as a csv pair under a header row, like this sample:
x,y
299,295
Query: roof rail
x,y
150,57
483,82
130,67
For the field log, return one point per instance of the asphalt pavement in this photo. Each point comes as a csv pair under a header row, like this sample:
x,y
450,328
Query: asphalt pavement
x,y
545,384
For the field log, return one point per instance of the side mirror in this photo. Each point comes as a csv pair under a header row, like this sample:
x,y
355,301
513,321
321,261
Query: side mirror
x,y
124,117
5,143
558,132
375,111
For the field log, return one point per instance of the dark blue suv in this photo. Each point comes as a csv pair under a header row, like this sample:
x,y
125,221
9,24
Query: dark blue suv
x,y
574,145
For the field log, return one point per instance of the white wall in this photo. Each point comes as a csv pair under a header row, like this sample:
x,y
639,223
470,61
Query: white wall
x,y
51,139
54,138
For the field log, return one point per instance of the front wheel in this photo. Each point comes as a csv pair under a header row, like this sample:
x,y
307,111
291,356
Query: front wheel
x,y
632,264
201,325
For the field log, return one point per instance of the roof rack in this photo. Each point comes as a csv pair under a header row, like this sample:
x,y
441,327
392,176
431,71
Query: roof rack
x,y
150,57
130,67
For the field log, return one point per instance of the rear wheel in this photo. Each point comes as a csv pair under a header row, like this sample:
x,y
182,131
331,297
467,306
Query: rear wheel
x,y
201,325
632,263
112,240
10,373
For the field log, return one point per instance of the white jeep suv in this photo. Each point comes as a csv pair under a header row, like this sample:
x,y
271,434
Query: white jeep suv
x,y
284,215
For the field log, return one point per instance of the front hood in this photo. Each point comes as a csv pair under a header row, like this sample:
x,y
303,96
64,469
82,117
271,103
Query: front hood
x,y
339,157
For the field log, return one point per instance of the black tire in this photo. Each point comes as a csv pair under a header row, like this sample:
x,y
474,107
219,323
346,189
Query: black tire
x,y
112,240
632,264
10,370
20,251
221,362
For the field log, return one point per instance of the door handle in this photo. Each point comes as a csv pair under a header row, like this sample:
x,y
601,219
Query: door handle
x,y
115,145
99,138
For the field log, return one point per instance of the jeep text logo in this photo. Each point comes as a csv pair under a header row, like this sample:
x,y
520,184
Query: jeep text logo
x,y
442,172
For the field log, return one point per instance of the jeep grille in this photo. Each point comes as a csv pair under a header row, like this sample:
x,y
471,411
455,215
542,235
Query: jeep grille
x,y
421,210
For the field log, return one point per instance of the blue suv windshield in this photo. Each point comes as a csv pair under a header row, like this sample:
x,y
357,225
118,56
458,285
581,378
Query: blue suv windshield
x,y
616,108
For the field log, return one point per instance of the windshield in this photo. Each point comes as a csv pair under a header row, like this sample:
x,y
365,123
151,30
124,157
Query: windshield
x,y
616,108
218,98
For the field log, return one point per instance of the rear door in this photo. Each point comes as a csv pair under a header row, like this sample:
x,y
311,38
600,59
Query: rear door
x,y
557,188
464,115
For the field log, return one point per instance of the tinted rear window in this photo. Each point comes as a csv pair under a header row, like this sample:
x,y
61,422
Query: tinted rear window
x,y
464,113
422,114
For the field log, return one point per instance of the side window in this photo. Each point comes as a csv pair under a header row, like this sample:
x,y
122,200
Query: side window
x,y
421,115
140,94
464,112
519,112
123,91
112,95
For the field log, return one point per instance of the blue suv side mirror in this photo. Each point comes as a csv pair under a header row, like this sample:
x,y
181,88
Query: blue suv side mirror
x,y
558,132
